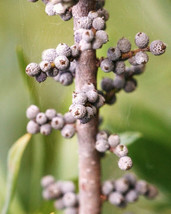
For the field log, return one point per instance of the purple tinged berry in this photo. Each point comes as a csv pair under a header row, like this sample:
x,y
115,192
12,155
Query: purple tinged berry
x,y
125,163
41,118
70,199
69,119
130,85
57,122
46,129
52,72
100,102
68,131
121,185
41,77
119,81
50,113
116,198
107,84
66,16
131,196
141,187
33,127
152,192
47,180
66,78
32,112
107,187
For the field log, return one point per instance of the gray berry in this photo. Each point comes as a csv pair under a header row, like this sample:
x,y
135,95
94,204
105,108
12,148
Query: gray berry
x,y
79,98
130,85
69,119
61,62
114,53
114,140
141,187
57,122
124,45
88,87
52,192
59,8
49,9
45,66
132,61
78,111
32,69
116,198
107,187
46,129
71,210
107,65
121,185
103,13
63,49
157,47
75,51
141,58
68,131
102,36
53,72
102,135
131,179
102,145
32,112
67,186
141,40
88,35
41,118
131,196
100,102
92,96
83,45
125,163
107,84
93,14
49,55
66,78
47,180
66,16
98,23
119,67
32,127
70,199
85,22
152,192
59,204
121,150
119,81
50,113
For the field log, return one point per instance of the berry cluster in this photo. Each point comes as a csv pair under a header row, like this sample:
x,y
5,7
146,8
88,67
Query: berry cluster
x,y
127,190
58,63
85,103
111,142
91,34
124,76
44,122
62,192
63,8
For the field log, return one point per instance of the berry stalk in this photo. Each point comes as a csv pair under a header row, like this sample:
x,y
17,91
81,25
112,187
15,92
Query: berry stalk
x,y
89,158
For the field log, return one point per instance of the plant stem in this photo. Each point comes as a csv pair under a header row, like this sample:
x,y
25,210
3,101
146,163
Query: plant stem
x,y
89,159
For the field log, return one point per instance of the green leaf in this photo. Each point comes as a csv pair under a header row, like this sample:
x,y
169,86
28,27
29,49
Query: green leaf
x,y
128,138
28,82
14,160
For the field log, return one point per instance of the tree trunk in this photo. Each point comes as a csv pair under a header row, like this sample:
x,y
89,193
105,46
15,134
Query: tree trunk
x,y
89,159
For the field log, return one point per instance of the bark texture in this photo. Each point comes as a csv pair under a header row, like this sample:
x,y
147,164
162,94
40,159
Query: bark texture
x,y
89,159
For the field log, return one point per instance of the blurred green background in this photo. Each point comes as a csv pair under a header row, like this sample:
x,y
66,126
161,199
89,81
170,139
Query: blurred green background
x,y
147,110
